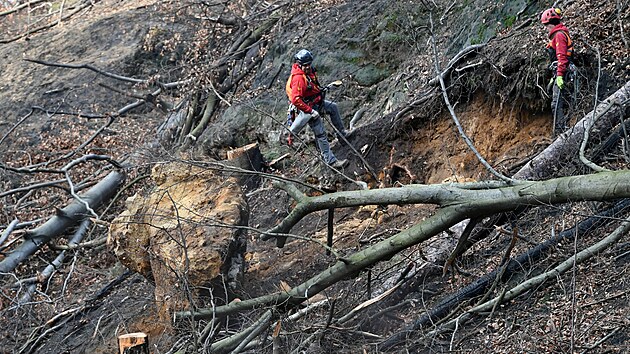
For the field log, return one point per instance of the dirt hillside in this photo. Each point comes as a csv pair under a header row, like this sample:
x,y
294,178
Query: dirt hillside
x,y
60,96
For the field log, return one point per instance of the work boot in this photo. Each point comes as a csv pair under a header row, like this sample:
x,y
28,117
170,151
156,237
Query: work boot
x,y
339,164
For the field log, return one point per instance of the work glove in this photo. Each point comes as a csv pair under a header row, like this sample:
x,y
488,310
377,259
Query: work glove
x,y
560,82
314,114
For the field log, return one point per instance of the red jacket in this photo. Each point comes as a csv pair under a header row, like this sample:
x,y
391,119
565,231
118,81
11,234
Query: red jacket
x,y
560,47
303,90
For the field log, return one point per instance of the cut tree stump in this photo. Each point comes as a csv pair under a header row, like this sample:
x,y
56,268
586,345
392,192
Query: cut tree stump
x,y
249,158
133,343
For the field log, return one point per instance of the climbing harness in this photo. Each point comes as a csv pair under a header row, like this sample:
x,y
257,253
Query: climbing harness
x,y
291,113
571,78
552,52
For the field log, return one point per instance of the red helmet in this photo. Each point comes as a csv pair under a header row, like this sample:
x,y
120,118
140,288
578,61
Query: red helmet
x,y
549,14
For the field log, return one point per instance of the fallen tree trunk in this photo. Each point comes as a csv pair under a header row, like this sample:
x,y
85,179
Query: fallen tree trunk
x,y
605,116
542,166
602,118
67,217
458,204
535,282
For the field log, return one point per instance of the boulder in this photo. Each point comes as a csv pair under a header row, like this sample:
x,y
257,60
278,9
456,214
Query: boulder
x,y
185,235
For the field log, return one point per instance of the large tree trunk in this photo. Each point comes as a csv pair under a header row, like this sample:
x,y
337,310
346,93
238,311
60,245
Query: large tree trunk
x,y
605,116
67,217
459,204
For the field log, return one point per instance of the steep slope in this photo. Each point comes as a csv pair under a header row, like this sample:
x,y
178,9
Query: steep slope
x,y
382,51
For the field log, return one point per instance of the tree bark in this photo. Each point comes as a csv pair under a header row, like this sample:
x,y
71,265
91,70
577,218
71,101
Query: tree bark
x,y
603,117
447,195
458,204
67,217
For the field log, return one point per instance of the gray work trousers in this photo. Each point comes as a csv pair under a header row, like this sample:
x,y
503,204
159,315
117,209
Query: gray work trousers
x,y
317,126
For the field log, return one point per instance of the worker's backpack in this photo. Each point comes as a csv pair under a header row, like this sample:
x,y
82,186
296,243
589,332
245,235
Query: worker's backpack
x,y
288,87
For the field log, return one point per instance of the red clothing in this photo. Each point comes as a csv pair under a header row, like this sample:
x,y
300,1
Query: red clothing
x,y
304,89
560,46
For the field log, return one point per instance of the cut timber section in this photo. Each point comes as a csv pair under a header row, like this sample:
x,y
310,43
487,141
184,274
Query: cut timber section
x,y
133,343
248,158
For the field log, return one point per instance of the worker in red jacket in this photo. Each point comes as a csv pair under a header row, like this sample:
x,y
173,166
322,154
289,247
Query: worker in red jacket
x,y
304,94
560,49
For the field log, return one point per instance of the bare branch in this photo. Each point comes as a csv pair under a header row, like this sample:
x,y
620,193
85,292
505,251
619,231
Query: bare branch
x,y
8,231
50,25
55,183
77,114
452,111
462,53
20,7
106,73
16,125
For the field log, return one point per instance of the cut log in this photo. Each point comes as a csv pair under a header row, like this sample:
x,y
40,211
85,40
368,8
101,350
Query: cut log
x,y
133,343
249,158
67,217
